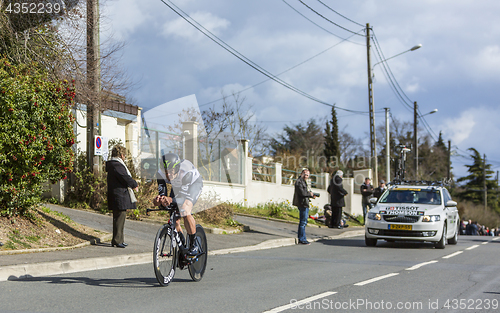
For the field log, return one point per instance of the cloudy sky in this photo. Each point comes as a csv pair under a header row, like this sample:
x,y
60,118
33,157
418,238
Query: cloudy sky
x,y
456,70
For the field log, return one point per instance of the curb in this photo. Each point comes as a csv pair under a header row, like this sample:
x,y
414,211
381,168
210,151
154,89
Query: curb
x,y
275,219
104,238
15,272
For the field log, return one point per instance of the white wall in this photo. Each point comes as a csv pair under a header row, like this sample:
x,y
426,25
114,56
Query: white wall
x,y
114,125
252,193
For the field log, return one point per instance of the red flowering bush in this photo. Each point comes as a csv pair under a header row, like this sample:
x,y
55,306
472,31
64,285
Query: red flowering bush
x,y
36,134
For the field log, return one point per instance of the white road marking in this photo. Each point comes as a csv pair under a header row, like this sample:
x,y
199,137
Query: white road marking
x,y
452,255
414,267
496,238
486,242
375,279
472,247
304,301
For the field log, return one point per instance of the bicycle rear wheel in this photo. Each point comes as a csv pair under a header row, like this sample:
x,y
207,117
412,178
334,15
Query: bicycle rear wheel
x,y
164,256
197,269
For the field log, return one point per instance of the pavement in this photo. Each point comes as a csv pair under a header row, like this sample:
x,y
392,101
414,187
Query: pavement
x,y
261,234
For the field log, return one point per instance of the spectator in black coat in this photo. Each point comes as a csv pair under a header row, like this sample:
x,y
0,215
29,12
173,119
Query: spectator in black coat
x,y
366,192
468,228
337,194
379,190
120,194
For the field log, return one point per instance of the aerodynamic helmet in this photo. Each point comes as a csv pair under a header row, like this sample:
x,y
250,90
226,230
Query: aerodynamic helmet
x,y
171,161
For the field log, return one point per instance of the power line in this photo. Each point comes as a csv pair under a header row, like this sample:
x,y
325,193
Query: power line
x,y
328,19
326,30
388,72
399,91
291,68
341,14
266,80
240,56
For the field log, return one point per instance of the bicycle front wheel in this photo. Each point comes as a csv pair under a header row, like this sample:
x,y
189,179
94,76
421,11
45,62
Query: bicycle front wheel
x,y
164,256
197,269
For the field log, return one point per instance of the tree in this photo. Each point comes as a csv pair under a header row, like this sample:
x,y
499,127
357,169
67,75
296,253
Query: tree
x,y
36,134
57,44
474,182
352,153
300,146
332,144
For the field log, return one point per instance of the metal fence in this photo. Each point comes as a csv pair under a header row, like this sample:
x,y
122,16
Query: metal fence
x,y
261,172
154,144
221,160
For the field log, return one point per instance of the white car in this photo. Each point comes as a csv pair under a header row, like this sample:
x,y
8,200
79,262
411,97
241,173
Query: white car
x,y
413,212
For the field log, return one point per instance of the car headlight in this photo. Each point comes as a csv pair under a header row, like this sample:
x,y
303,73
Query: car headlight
x,y
431,218
374,216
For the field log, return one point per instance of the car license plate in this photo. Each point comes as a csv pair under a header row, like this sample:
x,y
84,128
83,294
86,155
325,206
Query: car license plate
x,y
400,227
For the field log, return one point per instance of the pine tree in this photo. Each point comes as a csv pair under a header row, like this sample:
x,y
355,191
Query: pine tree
x,y
332,144
474,182
440,143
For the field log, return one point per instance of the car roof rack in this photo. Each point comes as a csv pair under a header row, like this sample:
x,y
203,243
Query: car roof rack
x,y
417,183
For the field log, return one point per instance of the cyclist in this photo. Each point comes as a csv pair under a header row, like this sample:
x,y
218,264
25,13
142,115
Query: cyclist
x,y
186,188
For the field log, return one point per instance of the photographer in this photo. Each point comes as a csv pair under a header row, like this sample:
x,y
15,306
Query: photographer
x,y
301,201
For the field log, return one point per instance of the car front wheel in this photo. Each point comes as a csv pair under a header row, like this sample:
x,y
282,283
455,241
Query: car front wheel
x,y
442,242
454,240
370,242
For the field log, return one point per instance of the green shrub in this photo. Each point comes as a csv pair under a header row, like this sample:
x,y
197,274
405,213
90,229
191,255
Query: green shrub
x,y
87,190
36,134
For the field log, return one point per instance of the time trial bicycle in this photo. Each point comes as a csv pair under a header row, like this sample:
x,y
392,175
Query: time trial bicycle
x,y
170,252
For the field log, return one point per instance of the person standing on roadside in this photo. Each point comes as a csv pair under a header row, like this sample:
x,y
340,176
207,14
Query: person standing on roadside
x,y
366,193
379,190
301,201
120,195
337,194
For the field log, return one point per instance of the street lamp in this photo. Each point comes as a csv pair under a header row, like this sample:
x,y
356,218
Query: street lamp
x,y
373,145
431,112
415,137
412,49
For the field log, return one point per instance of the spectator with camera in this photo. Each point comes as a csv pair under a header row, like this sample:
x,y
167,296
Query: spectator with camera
x,y
301,201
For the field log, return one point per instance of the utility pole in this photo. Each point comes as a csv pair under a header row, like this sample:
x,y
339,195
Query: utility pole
x,y
415,136
484,184
449,160
93,83
373,142
387,147
498,187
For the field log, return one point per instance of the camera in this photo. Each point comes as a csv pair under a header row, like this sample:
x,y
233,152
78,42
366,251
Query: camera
x,y
316,194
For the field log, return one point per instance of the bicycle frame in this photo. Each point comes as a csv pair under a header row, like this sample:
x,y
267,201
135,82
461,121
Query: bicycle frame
x,y
174,216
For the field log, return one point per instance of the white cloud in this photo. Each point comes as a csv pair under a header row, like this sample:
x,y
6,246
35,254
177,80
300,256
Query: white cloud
x,y
180,28
474,127
125,16
459,129
487,62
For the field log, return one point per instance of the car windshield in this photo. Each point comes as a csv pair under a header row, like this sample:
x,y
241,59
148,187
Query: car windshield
x,y
412,195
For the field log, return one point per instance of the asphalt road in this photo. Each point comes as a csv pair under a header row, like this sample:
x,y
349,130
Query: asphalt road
x,y
330,275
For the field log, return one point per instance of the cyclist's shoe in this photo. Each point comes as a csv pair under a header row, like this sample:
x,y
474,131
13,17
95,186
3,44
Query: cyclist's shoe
x,y
193,251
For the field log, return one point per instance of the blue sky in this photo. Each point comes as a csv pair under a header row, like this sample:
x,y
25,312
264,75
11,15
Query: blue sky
x,y
457,70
